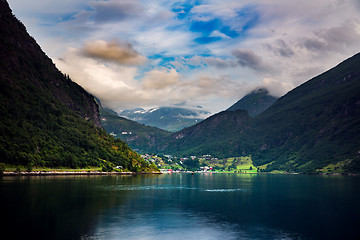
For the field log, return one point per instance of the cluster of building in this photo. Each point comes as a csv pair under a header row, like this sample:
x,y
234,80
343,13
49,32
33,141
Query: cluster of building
x,y
170,164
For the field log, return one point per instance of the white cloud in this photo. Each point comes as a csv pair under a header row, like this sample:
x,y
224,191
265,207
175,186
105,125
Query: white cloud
x,y
117,86
217,33
162,41
45,6
276,87
160,79
225,9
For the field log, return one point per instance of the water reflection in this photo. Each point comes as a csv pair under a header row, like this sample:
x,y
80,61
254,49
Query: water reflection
x,y
54,207
176,224
165,224
179,206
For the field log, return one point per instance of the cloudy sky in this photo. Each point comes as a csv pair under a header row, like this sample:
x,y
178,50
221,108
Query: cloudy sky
x,y
141,53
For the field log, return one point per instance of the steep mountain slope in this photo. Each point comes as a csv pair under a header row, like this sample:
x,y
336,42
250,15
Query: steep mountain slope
x,y
255,102
139,137
315,126
167,118
46,119
211,136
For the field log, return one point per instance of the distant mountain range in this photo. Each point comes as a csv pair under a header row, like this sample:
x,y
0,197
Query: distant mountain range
x,y
145,138
139,137
167,118
174,119
255,102
313,128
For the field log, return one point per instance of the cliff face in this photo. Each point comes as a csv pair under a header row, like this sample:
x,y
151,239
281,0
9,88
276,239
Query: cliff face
x,y
25,67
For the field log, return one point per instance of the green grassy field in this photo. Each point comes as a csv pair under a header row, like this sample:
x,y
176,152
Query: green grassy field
x,y
233,164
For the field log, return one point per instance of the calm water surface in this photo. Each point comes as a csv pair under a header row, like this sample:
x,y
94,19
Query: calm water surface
x,y
181,206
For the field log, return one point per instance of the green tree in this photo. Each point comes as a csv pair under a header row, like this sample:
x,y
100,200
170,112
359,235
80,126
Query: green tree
x,y
2,168
107,167
29,167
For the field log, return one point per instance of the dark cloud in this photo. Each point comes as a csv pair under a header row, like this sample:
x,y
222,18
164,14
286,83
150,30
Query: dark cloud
x,y
314,44
342,35
357,4
219,63
281,48
116,10
247,58
335,39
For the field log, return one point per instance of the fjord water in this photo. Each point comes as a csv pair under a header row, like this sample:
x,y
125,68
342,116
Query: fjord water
x,y
181,206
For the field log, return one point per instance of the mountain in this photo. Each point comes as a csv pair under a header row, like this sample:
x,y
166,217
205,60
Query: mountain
x,y
255,102
313,128
210,136
139,137
167,118
46,119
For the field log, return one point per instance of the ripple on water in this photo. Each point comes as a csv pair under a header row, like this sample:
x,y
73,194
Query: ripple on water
x,y
168,187
226,190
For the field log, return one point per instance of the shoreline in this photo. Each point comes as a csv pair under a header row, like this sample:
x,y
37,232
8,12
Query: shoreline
x,y
98,173
70,173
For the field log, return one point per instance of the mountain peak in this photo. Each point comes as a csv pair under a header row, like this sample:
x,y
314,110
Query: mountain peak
x,y
255,102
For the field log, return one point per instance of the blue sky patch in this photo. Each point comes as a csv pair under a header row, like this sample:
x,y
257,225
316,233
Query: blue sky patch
x,y
206,40
183,10
205,27
229,32
250,17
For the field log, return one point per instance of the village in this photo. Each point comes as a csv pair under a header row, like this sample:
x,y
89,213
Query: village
x,y
204,163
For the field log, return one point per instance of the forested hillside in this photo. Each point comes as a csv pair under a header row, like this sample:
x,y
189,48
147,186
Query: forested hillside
x,y
138,136
46,119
